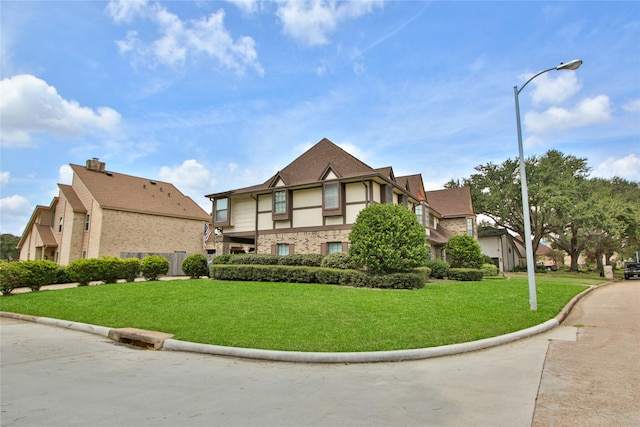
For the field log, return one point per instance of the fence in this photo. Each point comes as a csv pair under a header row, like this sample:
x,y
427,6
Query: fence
x,y
175,260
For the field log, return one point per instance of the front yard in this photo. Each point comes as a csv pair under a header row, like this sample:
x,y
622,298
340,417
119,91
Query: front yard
x,y
310,317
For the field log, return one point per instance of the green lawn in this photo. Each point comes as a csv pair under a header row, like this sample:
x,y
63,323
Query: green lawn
x,y
305,317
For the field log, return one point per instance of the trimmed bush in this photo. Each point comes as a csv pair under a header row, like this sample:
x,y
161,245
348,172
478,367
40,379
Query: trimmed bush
x,y
307,260
489,270
11,276
111,269
463,251
425,272
37,273
387,238
439,268
154,266
255,259
195,265
465,274
130,269
338,260
62,276
222,259
85,270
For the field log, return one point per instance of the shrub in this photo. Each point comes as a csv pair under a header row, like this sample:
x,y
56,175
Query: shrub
x,y
62,276
439,268
425,272
463,251
387,238
11,276
195,265
38,273
308,260
257,259
222,259
85,270
130,269
489,270
154,266
338,260
465,274
111,269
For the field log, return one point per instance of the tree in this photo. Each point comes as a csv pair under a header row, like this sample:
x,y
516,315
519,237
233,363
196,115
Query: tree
x,y
464,252
387,238
553,180
8,250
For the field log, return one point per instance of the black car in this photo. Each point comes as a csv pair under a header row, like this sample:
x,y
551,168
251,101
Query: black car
x,y
631,269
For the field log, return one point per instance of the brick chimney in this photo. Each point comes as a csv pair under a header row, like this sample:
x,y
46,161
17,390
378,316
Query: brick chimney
x,y
95,165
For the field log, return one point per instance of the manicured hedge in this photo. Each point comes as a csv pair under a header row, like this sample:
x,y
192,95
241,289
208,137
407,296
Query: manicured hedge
x,y
294,274
465,274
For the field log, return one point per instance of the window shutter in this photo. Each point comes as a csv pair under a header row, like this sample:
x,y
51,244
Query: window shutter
x,y
274,249
291,249
323,248
345,247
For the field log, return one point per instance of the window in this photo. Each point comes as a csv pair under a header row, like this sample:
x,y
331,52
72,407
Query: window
x,y
420,214
282,249
280,202
333,247
281,205
60,221
222,211
470,226
331,200
84,254
86,222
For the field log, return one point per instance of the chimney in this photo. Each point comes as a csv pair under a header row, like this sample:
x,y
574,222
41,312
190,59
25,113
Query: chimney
x,y
95,165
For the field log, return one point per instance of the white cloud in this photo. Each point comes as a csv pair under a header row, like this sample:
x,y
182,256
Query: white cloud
x,y
191,178
4,178
632,106
628,167
181,40
247,6
550,90
65,175
126,10
29,105
311,22
14,214
589,111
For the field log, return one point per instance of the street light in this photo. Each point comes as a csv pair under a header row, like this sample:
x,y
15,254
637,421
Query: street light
x,y
571,65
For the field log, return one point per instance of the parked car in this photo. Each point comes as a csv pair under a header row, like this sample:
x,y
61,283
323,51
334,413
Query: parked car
x,y
631,269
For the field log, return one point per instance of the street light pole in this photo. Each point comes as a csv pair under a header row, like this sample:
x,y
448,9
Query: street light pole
x,y
572,65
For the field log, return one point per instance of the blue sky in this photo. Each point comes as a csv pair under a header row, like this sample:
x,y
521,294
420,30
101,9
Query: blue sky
x,y
214,95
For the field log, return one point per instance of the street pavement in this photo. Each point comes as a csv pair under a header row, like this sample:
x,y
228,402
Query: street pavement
x,y
52,376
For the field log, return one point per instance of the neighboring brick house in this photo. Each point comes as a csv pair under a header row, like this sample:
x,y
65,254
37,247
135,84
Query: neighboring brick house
x,y
311,205
452,215
108,213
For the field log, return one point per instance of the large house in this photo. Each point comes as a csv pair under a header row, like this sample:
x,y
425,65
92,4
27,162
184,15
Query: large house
x,y
104,213
310,206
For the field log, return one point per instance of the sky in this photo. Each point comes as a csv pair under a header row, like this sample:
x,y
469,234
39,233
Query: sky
x,y
217,95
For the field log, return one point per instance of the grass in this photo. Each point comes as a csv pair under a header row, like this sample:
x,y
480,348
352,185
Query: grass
x,y
308,317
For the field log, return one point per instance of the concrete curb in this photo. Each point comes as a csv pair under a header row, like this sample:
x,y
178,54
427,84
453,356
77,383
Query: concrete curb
x,y
326,357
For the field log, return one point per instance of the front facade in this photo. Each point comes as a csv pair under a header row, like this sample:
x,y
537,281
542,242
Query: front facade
x,y
498,244
105,213
311,205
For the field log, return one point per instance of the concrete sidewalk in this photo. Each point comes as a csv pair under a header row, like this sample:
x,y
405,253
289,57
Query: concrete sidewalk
x,y
52,376
595,381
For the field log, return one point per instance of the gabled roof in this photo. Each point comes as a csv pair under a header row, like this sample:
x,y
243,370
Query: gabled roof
x,y
311,166
451,202
122,192
46,235
73,199
413,184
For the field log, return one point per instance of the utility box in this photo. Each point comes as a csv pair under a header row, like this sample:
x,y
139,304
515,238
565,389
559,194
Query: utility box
x,y
608,272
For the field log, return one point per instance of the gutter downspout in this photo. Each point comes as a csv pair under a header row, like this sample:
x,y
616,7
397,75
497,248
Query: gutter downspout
x,y
255,239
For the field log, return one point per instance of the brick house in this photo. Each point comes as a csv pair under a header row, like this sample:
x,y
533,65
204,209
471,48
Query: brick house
x,y
310,206
108,213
